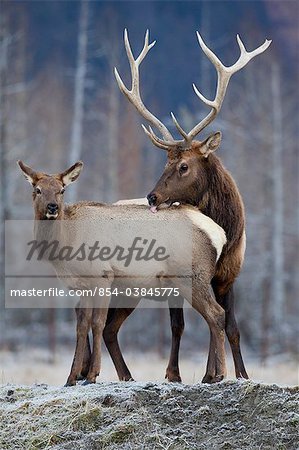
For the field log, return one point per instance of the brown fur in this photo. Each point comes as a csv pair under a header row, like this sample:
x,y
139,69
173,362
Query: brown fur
x,y
215,193
48,191
209,186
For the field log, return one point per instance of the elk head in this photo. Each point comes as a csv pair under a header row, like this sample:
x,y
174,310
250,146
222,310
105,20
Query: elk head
x,y
187,171
48,190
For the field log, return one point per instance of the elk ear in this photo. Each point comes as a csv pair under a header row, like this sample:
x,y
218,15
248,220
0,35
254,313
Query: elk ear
x,y
71,174
29,174
211,144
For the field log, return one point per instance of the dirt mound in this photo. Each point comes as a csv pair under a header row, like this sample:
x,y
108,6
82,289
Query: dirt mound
x,y
230,415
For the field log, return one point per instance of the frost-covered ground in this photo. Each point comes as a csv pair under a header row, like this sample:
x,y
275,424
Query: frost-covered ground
x,y
34,365
229,415
146,414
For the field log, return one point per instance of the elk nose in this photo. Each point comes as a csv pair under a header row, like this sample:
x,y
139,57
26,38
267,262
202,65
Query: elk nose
x,y
152,198
52,208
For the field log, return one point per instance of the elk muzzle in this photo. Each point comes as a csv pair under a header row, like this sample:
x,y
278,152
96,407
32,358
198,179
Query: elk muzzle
x,y
52,210
152,201
155,200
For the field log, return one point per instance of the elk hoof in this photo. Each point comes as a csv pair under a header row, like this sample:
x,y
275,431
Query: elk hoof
x,y
127,378
70,383
173,377
209,379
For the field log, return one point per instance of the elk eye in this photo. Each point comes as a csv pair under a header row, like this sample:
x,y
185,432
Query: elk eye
x,y
183,168
62,191
37,190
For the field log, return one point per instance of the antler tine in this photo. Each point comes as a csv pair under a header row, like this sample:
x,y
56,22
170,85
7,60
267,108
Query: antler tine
x,y
142,54
128,48
214,104
246,56
211,55
179,128
146,48
155,140
224,74
133,95
203,98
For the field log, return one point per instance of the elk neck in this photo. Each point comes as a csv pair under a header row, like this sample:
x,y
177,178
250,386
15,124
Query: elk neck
x,y
49,229
222,201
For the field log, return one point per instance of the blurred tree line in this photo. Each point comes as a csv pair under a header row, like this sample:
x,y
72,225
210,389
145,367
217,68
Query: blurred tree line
x,y
59,102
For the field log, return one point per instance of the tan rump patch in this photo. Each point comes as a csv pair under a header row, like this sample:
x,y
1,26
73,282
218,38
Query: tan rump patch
x,y
243,247
214,232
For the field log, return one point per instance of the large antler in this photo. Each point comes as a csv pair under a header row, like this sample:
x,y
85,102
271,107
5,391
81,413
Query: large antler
x,y
134,94
224,74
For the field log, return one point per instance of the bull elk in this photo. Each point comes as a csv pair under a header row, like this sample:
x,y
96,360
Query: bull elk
x,y
207,239
194,175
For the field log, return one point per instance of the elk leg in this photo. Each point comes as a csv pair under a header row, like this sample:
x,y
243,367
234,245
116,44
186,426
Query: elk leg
x,y
87,353
177,327
98,320
214,315
86,359
210,375
115,319
231,328
84,316
233,333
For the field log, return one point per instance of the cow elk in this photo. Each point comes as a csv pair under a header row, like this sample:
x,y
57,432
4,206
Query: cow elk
x,y
207,241
194,175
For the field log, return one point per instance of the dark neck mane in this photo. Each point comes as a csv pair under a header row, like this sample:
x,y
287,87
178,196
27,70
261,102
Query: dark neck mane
x,y
222,201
